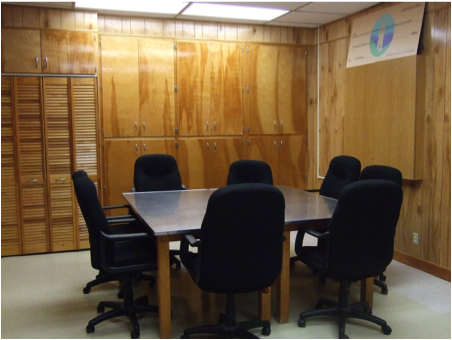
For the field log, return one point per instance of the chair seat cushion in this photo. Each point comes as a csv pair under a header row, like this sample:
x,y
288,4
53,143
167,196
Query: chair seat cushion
x,y
135,252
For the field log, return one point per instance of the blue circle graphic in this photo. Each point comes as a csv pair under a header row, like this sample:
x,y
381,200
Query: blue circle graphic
x,y
382,35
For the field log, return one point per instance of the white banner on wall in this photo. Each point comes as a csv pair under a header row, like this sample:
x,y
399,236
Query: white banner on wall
x,y
390,33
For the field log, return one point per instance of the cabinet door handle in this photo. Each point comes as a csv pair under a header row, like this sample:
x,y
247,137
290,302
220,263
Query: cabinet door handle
x,y
33,181
281,145
281,125
37,64
215,147
136,148
214,126
144,126
274,145
144,148
207,126
45,62
136,127
274,125
207,146
60,179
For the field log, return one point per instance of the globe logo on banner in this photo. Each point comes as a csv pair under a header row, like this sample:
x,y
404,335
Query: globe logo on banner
x,y
382,35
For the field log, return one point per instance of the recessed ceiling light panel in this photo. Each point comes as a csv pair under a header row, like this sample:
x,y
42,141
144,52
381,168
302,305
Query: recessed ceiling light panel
x,y
160,7
232,12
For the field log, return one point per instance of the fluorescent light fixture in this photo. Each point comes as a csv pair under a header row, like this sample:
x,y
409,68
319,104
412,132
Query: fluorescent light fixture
x,y
160,7
233,12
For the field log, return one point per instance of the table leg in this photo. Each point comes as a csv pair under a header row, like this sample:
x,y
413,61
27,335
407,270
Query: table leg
x,y
265,305
163,285
367,291
283,284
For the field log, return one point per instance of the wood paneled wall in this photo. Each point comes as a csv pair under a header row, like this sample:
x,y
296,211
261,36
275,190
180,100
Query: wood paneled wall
x,y
426,209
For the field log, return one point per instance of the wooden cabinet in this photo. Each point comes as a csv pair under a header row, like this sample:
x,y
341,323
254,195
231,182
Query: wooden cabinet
x,y
69,52
156,75
276,89
10,224
49,129
286,155
119,161
35,51
204,162
21,51
138,78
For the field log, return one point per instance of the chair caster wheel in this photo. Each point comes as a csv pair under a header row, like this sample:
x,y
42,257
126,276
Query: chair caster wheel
x,y
368,310
382,277
386,330
178,266
266,331
135,334
89,329
100,309
301,322
343,336
86,290
384,291
184,336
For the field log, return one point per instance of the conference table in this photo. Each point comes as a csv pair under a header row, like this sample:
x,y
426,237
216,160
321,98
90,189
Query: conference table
x,y
169,214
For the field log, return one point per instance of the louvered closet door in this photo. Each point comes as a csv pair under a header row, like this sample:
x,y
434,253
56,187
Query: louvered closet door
x,y
11,236
57,120
30,141
84,105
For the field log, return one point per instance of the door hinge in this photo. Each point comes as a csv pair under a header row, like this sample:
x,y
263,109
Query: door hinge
x,y
175,46
306,52
247,49
177,145
100,43
175,88
176,130
95,69
94,37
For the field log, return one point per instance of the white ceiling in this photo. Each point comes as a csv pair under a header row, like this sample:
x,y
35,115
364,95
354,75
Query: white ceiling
x,y
302,14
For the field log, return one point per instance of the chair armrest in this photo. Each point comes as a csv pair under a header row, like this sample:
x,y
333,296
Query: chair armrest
x,y
192,241
121,220
317,234
116,206
118,217
123,237
312,190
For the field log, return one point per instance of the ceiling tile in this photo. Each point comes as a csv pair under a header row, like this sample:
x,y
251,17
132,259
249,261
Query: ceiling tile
x,y
280,5
309,18
337,7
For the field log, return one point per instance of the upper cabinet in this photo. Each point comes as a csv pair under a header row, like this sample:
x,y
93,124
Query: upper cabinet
x,y
276,89
56,52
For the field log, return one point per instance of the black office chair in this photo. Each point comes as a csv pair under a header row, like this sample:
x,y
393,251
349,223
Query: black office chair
x,y
239,251
249,171
342,170
120,228
360,244
122,255
390,174
158,172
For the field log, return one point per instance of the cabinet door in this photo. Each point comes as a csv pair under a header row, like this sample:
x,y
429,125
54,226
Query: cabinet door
x,y
292,161
120,94
58,144
119,161
193,81
21,51
226,88
69,52
85,140
225,151
33,189
292,106
264,149
262,88
10,227
165,146
194,162
157,76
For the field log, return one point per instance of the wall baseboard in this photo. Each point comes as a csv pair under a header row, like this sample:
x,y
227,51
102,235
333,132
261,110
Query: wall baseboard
x,y
425,266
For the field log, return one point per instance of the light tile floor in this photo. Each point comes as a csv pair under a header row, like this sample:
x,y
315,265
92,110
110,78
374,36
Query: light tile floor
x,y
42,298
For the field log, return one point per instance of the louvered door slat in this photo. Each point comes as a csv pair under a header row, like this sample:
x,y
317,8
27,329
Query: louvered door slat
x,y
58,140
31,164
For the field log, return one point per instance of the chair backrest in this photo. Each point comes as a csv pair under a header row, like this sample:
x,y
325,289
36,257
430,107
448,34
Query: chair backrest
x,y
382,172
362,229
342,170
156,172
95,219
249,171
242,239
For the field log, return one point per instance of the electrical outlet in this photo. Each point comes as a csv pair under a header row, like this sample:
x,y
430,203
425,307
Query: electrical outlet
x,y
416,238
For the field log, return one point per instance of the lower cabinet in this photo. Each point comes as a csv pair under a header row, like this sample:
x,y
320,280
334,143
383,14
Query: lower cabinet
x,y
47,123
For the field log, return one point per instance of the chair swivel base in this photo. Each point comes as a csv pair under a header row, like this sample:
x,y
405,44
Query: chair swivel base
x,y
240,331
